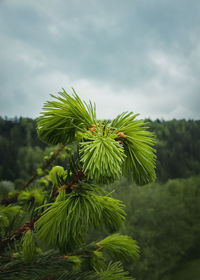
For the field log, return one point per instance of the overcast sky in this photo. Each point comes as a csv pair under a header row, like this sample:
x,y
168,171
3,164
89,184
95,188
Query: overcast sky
x,y
136,55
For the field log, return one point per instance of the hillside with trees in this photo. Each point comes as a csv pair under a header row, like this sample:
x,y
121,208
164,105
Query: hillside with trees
x,y
163,217
178,148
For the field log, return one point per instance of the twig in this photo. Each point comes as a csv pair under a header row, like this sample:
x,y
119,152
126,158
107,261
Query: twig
x,y
45,165
18,233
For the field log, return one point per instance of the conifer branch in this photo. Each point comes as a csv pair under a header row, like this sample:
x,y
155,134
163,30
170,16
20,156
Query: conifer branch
x,y
18,233
79,176
105,151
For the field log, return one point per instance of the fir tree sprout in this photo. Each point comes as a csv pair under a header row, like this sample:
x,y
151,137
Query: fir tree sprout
x,y
107,150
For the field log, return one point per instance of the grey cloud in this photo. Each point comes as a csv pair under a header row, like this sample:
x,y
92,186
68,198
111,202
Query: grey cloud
x,y
111,43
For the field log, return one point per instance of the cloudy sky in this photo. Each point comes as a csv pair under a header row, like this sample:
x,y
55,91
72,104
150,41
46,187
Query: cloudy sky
x,y
136,55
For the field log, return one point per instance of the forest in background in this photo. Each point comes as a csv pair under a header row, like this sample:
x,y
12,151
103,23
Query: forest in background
x,y
164,217
178,148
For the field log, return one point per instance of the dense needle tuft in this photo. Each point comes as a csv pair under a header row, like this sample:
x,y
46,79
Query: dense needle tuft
x,y
107,151
139,165
114,271
29,249
61,119
66,222
102,157
120,247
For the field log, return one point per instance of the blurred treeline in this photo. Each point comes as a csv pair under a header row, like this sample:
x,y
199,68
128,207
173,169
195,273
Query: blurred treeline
x,y
178,148
164,217
165,221
21,152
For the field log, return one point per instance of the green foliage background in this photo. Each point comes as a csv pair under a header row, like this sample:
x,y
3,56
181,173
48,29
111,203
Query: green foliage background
x,y
165,220
178,148
164,217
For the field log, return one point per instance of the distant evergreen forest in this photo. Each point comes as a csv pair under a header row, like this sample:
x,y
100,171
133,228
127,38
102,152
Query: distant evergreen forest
x,y
178,148
164,216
